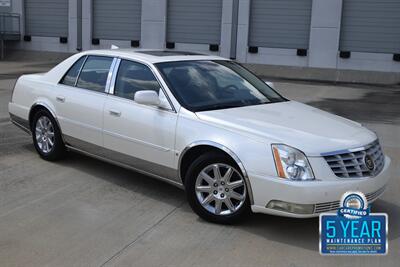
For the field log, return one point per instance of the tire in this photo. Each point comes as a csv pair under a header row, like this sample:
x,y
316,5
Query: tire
x,y
199,189
45,130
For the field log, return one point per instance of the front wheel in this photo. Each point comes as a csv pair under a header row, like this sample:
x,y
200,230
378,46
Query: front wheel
x,y
47,136
216,189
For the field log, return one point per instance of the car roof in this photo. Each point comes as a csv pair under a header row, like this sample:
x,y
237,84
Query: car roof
x,y
153,56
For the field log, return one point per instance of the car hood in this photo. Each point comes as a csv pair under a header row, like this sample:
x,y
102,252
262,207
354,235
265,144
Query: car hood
x,y
301,126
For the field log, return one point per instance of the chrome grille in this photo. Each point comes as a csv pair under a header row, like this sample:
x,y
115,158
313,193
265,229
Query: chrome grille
x,y
334,205
352,164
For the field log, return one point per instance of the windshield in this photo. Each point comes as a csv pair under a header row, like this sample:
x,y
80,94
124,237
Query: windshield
x,y
208,85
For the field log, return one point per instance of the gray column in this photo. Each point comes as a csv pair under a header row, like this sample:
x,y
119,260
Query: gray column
x,y
87,24
226,28
154,24
325,33
72,25
18,7
243,30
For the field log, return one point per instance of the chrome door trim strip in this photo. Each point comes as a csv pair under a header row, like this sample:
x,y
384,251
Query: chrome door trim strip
x,y
124,160
137,141
20,123
123,165
226,150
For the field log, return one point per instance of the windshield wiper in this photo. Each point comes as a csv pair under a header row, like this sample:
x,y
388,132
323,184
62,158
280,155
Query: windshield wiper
x,y
220,106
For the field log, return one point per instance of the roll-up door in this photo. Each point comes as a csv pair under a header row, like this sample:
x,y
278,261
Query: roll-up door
x,y
46,18
117,19
370,26
194,21
280,23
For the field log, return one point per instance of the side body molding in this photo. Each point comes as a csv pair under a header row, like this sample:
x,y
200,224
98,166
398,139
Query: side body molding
x,y
226,150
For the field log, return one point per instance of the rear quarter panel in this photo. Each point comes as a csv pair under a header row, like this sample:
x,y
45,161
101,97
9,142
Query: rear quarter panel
x,y
30,89
41,89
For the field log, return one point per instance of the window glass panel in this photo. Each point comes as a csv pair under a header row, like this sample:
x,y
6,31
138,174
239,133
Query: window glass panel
x,y
94,73
133,77
70,77
207,85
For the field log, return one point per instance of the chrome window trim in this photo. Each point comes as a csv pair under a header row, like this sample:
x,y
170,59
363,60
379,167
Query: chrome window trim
x,y
80,70
110,75
114,76
150,66
130,101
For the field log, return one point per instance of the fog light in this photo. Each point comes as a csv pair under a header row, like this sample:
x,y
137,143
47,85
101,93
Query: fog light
x,y
291,207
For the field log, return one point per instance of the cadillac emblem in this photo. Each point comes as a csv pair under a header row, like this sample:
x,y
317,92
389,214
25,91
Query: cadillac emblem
x,y
369,162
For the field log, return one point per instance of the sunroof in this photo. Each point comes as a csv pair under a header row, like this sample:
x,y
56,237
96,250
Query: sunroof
x,y
164,53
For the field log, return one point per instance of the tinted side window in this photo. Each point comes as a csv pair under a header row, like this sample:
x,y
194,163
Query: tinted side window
x,y
133,77
70,77
94,73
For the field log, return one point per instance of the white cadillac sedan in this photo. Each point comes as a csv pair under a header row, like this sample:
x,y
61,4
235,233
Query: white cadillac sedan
x,y
202,123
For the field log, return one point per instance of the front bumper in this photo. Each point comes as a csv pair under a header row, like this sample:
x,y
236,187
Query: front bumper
x,y
323,194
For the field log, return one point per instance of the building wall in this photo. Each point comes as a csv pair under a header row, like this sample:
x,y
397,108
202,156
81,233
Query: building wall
x,y
324,36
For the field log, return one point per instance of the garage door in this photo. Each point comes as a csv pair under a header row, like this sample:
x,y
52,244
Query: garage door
x,y
117,19
370,26
46,18
194,21
280,23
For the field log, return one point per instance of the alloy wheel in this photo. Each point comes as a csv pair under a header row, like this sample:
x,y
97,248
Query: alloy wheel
x,y
220,189
44,133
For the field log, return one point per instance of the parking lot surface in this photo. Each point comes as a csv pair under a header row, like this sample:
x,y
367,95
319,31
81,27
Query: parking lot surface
x,y
84,212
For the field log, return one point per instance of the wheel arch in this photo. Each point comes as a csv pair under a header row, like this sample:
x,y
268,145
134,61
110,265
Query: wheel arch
x,y
195,149
42,105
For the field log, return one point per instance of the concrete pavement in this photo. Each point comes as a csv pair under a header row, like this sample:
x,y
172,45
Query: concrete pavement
x,y
84,212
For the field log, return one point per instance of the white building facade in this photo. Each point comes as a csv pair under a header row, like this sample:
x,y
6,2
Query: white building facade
x,y
331,34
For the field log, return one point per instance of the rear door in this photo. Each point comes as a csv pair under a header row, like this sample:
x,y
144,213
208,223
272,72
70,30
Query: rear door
x,y
139,135
80,100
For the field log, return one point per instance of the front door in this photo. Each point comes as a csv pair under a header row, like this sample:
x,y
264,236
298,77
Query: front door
x,y
139,135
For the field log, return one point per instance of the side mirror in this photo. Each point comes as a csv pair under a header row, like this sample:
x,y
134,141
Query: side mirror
x,y
270,84
164,104
147,97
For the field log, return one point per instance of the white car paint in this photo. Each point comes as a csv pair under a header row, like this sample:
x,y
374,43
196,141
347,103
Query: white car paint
x,y
161,135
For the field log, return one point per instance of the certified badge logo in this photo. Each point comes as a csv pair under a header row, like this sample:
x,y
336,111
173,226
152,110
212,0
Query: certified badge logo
x,y
354,205
353,230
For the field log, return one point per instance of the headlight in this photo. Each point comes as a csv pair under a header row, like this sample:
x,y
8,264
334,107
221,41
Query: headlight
x,y
291,163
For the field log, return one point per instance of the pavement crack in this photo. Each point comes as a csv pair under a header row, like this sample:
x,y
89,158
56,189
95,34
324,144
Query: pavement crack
x,y
133,242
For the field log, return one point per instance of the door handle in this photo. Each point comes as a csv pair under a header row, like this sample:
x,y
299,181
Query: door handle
x,y
60,99
115,113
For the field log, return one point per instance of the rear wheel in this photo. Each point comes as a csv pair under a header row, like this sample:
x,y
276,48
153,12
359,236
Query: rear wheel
x,y
216,189
47,136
